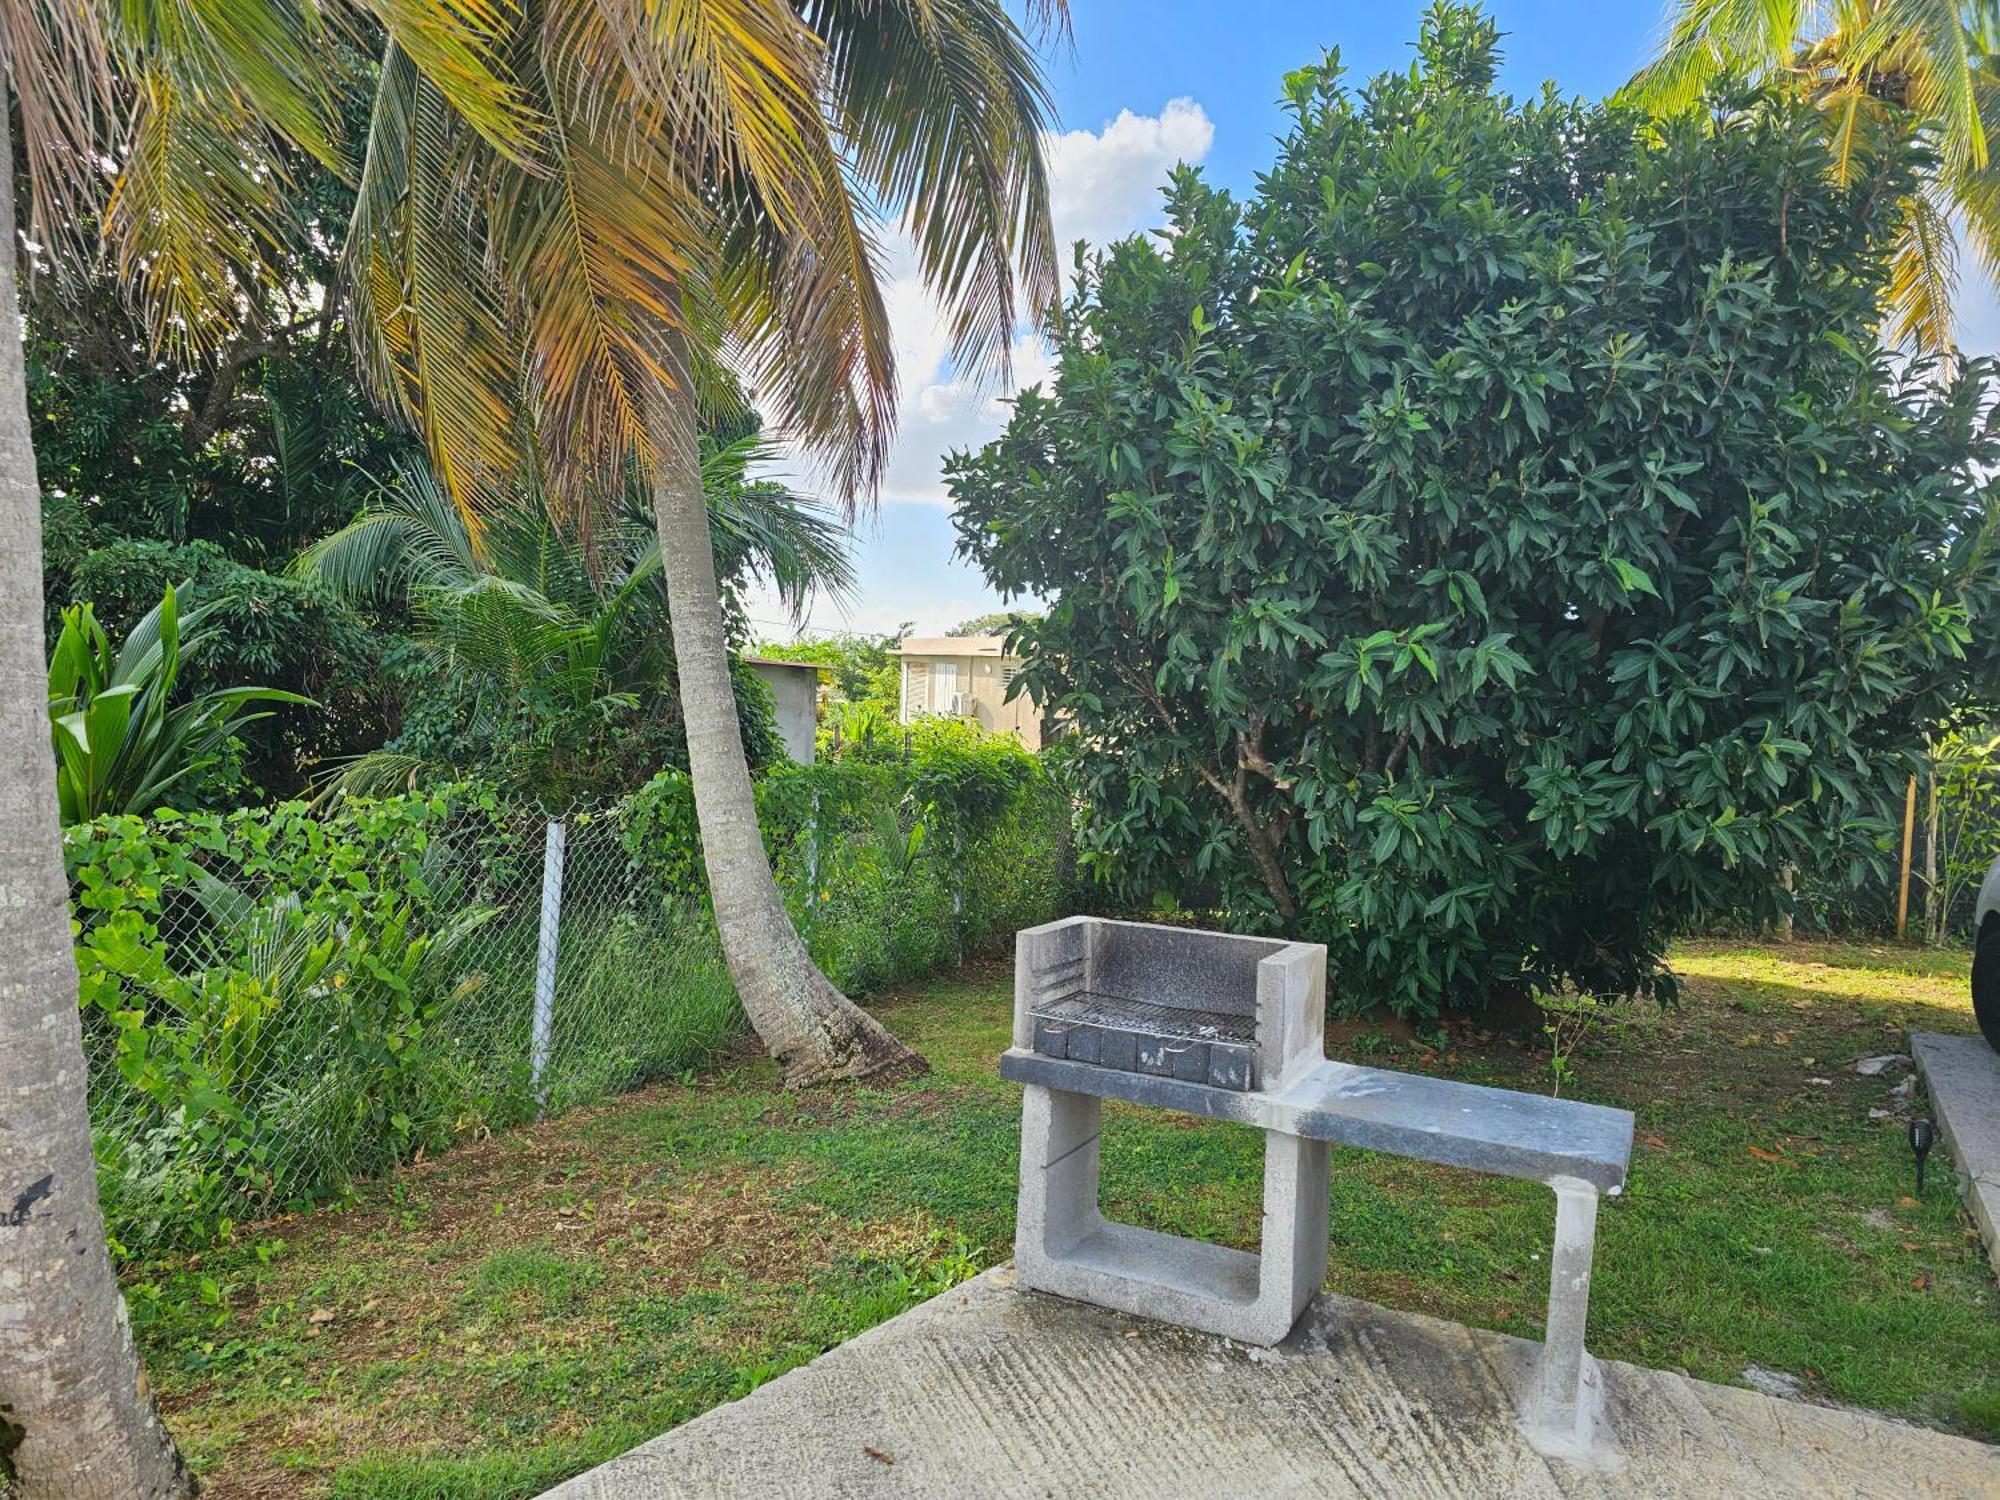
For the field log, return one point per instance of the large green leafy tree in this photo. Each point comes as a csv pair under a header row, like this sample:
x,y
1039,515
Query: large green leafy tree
x,y
1500,539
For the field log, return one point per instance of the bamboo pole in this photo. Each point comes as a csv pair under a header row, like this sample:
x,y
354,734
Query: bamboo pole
x,y
1909,838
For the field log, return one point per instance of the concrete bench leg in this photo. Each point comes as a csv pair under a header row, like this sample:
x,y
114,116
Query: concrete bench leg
x,y
1059,1166
1291,1260
1568,1392
1064,1244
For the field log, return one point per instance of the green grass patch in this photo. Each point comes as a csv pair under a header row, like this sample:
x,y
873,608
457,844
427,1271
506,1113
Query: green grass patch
x,y
497,1318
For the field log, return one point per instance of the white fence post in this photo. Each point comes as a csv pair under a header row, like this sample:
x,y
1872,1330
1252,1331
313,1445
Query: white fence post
x,y
812,851
545,961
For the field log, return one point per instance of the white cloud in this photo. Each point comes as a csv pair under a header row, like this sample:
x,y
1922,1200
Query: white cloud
x,y
1104,184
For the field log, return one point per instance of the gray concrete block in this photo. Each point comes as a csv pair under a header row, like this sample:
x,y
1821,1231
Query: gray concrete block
x,y
1118,1051
1051,1038
1405,1114
1084,1043
1190,1062
1232,1066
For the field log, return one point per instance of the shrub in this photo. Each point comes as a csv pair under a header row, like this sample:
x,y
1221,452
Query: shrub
x,y
121,743
1500,541
892,868
278,1003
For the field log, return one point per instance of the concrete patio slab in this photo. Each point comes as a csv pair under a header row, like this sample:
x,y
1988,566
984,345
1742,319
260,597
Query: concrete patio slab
x,y
988,1391
1962,1075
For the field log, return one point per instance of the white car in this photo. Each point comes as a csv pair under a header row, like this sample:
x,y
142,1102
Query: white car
x,y
1986,957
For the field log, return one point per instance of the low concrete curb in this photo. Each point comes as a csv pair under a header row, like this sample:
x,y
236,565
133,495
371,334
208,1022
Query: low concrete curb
x,y
988,1391
1962,1076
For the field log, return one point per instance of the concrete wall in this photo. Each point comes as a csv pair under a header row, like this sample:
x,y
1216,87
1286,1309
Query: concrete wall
x,y
795,686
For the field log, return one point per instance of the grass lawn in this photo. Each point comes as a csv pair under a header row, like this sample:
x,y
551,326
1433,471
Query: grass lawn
x,y
498,1318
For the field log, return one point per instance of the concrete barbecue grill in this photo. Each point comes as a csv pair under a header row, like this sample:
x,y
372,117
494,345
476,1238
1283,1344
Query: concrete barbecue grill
x,y
1232,1028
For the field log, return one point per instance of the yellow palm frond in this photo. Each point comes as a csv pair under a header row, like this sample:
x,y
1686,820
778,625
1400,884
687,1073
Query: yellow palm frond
x,y
1926,42
1923,276
428,315
460,47
196,216
1707,39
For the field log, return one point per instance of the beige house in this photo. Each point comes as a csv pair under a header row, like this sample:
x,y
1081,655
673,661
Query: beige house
x,y
966,677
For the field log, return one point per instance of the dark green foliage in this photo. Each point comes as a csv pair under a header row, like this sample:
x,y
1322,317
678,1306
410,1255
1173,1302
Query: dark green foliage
x,y
542,657
258,449
287,633
891,866
1502,540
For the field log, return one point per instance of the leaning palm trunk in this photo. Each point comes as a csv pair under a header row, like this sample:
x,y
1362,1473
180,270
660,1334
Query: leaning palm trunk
x,y
76,1420
815,1032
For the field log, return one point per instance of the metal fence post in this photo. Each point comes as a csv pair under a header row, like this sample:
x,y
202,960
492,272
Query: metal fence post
x,y
812,850
545,962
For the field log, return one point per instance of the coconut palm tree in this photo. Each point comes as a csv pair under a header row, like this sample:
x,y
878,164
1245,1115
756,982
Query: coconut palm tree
x,y
694,214
1878,68
76,1420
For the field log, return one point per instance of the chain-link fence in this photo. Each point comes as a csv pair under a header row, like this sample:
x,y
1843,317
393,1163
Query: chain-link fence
x,y
277,1006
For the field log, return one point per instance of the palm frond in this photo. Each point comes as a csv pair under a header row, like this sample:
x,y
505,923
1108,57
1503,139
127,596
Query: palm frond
x,y
1923,276
408,535
764,529
1926,42
460,47
1706,40
428,318
941,111
59,61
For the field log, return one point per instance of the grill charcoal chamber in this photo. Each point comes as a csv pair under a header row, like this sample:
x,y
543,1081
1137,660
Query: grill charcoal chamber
x,y
1202,1007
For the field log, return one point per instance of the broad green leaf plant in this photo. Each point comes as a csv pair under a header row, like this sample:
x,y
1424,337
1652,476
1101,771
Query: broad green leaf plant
x,y
122,744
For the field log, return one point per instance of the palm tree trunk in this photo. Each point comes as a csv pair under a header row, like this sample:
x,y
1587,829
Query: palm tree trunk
x,y
815,1032
76,1420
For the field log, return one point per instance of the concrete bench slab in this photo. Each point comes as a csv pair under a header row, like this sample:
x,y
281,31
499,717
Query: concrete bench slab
x,y
1962,1075
1498,1131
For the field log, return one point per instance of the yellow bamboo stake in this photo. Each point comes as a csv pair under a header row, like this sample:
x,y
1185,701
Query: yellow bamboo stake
x,y
1909,837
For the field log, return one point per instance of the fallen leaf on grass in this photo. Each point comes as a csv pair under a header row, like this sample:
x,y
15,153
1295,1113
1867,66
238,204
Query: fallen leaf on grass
x,y
1920,1282
320,1315
1654,1141
1762,1155
1906,1201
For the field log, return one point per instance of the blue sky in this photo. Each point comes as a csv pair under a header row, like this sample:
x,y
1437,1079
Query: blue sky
x,y
1148,84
